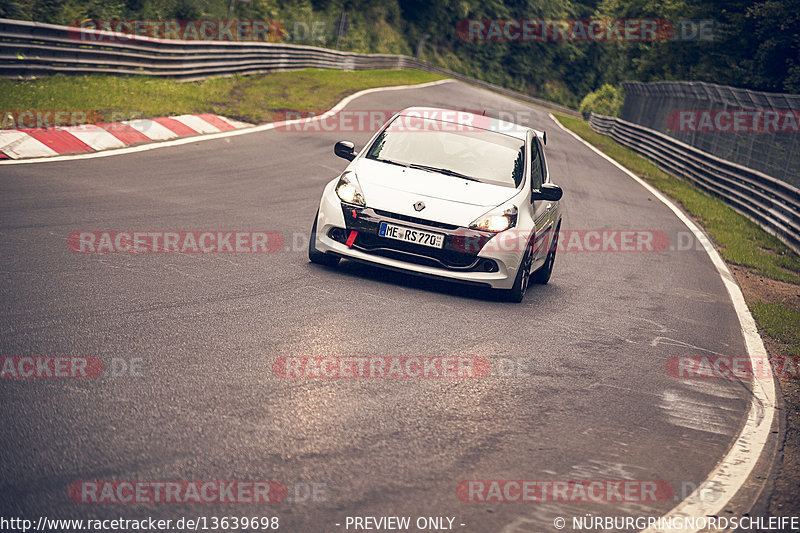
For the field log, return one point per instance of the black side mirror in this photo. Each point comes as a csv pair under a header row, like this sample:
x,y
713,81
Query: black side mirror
x,y
345,150
549,191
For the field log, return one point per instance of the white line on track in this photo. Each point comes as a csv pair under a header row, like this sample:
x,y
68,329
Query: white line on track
x,y
193,139
733,470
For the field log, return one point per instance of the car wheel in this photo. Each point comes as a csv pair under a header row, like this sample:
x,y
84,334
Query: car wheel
x,y
542,275
314,255
517,292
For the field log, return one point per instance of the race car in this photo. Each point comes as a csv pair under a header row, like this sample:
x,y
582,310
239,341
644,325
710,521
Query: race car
x,y
444,194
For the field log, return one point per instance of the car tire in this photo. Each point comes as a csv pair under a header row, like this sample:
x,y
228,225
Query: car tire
x,y
522,281
314,255
542,274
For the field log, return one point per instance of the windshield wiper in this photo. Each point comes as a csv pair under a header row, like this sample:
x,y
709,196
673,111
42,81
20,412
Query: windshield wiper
x,y
399,164
445,171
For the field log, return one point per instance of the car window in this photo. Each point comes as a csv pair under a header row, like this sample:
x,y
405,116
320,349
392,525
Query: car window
x,y
474,153
537,170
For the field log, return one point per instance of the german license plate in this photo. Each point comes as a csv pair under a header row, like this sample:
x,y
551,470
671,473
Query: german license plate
x,y
416,236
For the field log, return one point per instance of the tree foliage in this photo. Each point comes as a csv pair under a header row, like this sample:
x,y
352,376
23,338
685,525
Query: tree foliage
x,y
607,100
754,44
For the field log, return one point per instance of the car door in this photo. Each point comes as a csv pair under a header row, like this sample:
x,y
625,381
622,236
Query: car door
x,y
542,218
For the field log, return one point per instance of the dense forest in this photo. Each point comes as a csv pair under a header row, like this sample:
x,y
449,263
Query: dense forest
x,y
747,44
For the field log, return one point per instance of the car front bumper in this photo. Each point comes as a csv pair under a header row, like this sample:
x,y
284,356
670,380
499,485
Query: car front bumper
x,y
465,256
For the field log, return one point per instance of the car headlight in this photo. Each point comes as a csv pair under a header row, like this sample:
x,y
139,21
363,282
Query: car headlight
x,y
348,190
497,220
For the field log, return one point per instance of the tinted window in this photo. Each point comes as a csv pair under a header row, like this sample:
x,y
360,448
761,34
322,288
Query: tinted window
x,y
537,170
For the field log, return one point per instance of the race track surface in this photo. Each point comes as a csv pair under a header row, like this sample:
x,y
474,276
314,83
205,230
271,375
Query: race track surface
x,y
595,401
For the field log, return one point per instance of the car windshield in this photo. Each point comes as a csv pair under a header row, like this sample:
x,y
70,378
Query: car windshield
x,y
462,151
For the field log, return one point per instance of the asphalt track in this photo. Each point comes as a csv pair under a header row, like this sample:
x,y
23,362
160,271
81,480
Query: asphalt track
x,y
595,400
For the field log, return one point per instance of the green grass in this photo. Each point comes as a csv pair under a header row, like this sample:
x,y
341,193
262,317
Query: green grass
x,y
780,323
253,99
739,240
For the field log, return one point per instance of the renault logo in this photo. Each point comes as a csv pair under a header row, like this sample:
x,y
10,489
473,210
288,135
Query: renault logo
x,y
419,206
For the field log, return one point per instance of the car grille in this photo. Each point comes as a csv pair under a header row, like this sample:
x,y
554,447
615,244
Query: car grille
x,y
453,256
415,220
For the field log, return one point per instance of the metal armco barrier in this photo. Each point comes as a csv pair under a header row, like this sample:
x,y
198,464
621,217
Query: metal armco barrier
x,y
772,203
29,49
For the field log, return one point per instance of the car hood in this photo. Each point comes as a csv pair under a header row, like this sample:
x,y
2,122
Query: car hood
x,y
447,199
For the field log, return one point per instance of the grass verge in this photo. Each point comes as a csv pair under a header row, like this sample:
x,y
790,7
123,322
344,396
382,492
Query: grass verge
x,y
255,99
780,322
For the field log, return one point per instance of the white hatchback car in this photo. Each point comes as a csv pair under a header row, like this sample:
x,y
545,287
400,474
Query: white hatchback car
x,y
447,194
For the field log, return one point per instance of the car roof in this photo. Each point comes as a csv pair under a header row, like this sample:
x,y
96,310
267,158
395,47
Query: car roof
x,y
471,119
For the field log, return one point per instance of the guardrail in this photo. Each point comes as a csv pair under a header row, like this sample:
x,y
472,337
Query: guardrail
x,y
29,49
773,204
